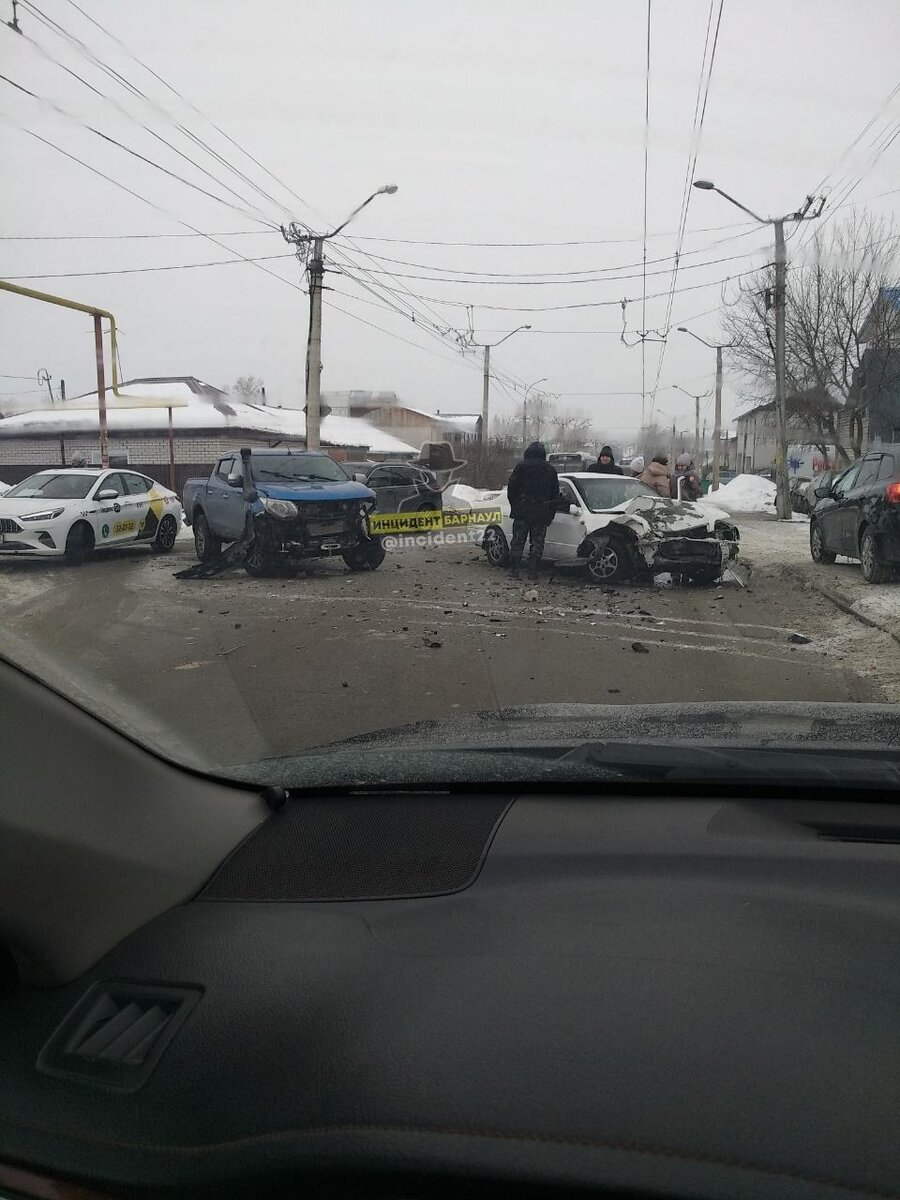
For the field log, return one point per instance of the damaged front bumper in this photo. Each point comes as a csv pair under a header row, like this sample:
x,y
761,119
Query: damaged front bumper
x,y
693,551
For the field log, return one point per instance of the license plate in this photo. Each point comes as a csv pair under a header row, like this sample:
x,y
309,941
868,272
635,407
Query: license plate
x,y
330,544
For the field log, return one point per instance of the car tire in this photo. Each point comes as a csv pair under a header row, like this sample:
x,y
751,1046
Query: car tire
x,y
611,560
79,544
495,546
873,569
367,556
817,550
258,564
206,546
166,535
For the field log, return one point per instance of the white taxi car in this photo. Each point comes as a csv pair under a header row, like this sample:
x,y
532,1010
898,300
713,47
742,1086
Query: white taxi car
x,y
69,512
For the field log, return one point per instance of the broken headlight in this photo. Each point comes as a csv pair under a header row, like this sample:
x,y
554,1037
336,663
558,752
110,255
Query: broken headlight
x,y
285,510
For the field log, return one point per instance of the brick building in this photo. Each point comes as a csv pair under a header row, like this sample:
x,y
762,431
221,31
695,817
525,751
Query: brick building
x,y
206,422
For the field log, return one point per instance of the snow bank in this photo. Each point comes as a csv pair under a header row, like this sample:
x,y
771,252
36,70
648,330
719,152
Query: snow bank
x,y
745,494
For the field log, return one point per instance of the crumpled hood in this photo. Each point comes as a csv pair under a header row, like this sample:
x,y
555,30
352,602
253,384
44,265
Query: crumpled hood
x,y
663,517
305,492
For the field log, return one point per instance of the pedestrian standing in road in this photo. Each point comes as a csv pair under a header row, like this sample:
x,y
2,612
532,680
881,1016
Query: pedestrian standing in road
x,y
533,492
685,482
658,475
636,466
606,463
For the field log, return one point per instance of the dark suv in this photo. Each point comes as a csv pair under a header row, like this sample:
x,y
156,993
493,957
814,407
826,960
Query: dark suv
x,y
858,515
404,487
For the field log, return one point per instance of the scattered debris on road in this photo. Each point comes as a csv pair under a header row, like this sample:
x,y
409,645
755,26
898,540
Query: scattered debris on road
x,y
799,639
639,648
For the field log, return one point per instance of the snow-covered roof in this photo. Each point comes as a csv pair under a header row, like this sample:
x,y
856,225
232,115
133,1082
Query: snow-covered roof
x,y
197,415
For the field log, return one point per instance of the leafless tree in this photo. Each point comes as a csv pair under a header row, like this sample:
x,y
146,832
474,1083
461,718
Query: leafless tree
x,y
832,305
248,386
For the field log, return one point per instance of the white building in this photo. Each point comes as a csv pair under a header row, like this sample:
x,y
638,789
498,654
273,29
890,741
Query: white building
x,y
205,423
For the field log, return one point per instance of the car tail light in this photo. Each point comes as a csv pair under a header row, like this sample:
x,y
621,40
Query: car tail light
x,y
892,493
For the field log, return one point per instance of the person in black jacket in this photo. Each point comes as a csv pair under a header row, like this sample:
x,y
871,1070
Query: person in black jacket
x,y
533,491
606,463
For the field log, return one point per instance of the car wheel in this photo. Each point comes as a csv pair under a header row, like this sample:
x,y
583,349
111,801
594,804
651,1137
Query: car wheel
x,y
164,541
496,547
206,546
257,563
873,569
610,561
79,544
367,556
817,545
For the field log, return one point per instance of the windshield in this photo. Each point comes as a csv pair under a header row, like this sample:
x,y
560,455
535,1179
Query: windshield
x,y
47,486
494,258
272,468
602,493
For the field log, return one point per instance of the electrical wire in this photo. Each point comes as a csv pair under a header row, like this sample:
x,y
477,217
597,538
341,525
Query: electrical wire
x,y
706,70
123,187
120,237
221,262
644,255
86,51
128,149
541,245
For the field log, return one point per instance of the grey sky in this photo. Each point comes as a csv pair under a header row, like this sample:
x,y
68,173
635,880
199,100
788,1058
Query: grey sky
x,y
499,121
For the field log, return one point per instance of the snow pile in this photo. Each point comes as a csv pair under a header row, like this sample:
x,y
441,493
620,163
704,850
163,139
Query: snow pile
x,y
745,494
460,495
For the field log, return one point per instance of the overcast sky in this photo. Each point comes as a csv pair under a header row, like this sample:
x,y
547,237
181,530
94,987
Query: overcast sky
x,y
500,122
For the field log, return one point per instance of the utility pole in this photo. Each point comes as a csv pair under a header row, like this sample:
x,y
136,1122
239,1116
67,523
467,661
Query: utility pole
x,y
486,377
314,347
782,483
525,410
101,391
313,244
485,395
696,399
717,420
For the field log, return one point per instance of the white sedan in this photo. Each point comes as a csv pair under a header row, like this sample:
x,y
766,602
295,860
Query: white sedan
x,y
616,528
69,512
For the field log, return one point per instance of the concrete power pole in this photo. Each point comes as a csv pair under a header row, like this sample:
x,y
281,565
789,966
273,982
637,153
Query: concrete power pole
x,y
485,395
782,482
314,347
298,235
717,420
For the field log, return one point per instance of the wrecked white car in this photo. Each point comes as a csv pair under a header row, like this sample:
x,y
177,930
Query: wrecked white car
x,y
619,529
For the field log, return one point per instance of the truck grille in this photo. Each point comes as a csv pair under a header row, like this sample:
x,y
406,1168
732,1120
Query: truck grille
x,y
9,526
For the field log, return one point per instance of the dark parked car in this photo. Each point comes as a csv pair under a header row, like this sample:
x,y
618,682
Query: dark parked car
x,y
403,487
358,468
858,515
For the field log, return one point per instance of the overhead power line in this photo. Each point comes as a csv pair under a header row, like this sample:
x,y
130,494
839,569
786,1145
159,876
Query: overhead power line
x,y
220,262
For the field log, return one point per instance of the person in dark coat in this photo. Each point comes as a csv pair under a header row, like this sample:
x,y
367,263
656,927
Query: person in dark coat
x,y
533,491
606,463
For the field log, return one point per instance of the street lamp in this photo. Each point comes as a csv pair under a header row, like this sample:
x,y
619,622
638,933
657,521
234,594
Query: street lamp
x,y
717,426
299,235
525,408
486,381
782,493
696,399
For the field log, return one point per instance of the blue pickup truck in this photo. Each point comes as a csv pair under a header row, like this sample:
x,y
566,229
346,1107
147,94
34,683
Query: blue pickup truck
x,y
280,506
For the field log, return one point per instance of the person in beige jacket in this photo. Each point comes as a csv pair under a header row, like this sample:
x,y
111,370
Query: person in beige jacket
x,y
658,475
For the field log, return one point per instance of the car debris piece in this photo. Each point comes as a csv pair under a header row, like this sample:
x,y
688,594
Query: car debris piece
x,y
799,639
639,648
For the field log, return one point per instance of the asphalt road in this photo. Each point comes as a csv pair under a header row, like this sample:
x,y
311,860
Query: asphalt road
x,y
234,669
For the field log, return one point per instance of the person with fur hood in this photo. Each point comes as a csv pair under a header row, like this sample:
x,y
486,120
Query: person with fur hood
x,y
657,475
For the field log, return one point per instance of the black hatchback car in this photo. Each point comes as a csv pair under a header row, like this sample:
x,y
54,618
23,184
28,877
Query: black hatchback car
x,y
858,515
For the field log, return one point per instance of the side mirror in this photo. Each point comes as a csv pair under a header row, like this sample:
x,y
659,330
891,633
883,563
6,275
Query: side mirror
x,y
235,479
574,510
822,492
360,477
107,494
